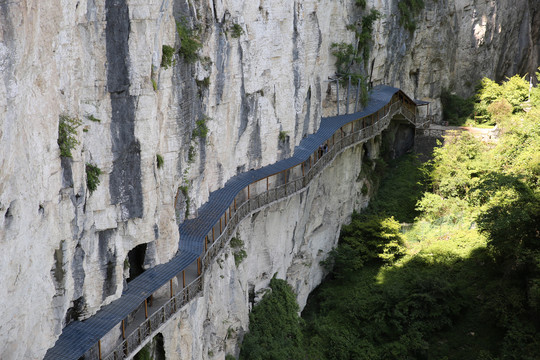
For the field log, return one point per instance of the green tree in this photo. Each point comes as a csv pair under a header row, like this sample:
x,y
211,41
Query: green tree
x,y
275,330
367,239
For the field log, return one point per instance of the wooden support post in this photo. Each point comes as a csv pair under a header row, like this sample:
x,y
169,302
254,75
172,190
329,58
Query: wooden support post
x,y
146,308
235,204
267,187
248,192
310,161
206,243
220,228
171,287
183,279
99,348
123,329
213,235
199,265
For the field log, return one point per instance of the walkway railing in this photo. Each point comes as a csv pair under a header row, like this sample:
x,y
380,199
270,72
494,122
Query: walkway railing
x,y
254,197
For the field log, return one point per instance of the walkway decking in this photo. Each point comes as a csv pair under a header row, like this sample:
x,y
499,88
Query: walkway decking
x,y
203,237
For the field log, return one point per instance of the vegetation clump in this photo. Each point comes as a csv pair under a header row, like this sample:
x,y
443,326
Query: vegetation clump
x,y
282,136
167,56
204,82
93,118
201,129
190,43
275,330
352,59
239,252
360,3
184,189
159,161
236,31
492,103
67,134
459,278
408,10
92,177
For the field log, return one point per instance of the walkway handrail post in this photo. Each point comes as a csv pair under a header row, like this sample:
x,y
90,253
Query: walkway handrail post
x,y
146,308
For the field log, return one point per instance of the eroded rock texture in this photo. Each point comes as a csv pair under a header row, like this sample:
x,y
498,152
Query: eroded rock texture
x,y
64,250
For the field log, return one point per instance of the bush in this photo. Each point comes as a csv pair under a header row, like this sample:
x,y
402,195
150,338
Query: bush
x,y
409,9
201,130
92,177
360,3
500,109
236,31
191,154
282,136
238,252
67,134
159,160
167,56
345,55
368,239
189,42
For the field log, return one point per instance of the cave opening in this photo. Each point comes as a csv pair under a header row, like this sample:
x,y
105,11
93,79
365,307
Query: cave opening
x,y
153,350
136,261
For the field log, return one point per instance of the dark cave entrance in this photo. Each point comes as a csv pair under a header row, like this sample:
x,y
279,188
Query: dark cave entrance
x,y
136,261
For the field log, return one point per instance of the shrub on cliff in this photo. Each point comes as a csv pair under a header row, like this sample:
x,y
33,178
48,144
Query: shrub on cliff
x,y
189,42
408,10
67,134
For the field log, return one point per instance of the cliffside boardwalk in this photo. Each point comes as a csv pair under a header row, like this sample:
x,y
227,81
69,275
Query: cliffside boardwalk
x,y
120,329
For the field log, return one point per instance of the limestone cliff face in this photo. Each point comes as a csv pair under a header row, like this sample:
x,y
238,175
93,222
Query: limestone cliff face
x,y
456,44
288,239
64,251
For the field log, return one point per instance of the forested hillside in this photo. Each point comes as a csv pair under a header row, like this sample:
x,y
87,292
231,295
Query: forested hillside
x,y
445,262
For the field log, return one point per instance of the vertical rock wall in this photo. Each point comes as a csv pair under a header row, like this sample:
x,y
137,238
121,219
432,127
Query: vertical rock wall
x,y
288,239
63,249
455,45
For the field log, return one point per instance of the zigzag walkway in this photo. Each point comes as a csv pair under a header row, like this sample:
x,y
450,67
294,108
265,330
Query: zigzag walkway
x,y
122,328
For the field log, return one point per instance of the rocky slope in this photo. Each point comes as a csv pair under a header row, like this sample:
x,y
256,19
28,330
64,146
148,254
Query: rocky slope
x,y
64,250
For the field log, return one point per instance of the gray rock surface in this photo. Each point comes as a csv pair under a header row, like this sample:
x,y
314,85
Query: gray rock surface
x,y
63,249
